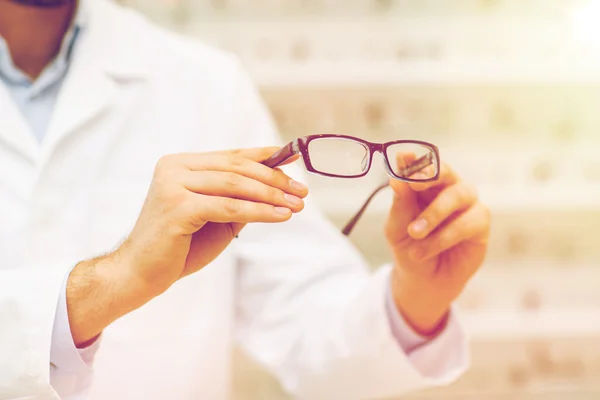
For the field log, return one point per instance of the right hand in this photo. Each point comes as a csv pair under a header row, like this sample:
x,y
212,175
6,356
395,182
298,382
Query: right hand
x,y
196,205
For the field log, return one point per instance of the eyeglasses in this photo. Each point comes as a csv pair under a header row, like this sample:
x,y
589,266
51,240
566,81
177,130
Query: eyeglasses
x,y
341,156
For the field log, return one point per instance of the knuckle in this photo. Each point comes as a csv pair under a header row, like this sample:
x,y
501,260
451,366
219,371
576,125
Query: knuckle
x,y
283,180
434,214
236,161
165,170
273,194
448,238
276,176
464,193
231,208
448,200
177,196
233,181
165,162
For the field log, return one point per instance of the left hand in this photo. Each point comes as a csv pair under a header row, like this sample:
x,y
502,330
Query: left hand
x,y
438,232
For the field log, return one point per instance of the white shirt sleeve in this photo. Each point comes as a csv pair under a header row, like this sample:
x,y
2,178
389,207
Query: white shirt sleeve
x,y
436,359
70,368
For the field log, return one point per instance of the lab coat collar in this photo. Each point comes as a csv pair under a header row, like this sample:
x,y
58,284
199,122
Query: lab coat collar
x,y
108,57
112,43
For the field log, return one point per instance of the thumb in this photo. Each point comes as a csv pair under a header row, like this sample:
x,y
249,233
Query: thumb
x,y
405,208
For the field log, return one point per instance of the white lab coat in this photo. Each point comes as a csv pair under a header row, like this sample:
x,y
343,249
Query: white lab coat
x,y
297,295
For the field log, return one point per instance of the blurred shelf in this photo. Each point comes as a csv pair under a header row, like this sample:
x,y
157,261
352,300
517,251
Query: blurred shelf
x,y
396,8
548,198
317,50
496,325
560,196
539,284
325,74
429,7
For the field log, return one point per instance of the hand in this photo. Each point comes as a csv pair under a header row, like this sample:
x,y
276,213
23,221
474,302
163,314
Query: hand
x,y
196,205
438,232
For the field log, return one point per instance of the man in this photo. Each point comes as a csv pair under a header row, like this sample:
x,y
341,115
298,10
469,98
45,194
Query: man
x,y
96,103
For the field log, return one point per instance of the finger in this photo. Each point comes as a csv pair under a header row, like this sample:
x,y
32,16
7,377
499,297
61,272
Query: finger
x,y
424,173
290,160
447,177
410,167
228,184
405,208
404,160
189,160
257,154
224,210
473,224
250,169
195,161
449,201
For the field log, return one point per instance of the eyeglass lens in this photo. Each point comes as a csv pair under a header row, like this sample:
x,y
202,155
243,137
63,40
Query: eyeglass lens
x,y
342,157
349,158
412,161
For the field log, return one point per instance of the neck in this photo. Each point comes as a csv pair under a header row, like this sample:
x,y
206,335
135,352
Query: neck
x,y
34,34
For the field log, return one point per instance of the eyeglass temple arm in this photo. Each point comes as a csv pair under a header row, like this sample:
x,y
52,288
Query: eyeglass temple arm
x,y
413,168
282,155
348,228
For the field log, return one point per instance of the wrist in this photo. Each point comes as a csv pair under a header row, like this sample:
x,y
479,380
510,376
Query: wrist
x,y
425,311
99,291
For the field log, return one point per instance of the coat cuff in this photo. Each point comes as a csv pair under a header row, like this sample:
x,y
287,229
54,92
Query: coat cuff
x,y
436,362
71,369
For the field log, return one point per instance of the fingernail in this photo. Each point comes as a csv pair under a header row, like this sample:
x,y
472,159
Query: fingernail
x,y
421,176
297,186
282,210
293,200
419,225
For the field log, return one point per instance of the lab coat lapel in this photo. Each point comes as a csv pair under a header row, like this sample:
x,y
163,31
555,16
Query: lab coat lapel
x,y
15,133
105,62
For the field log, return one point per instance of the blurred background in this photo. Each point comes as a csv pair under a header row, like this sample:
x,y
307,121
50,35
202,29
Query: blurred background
x,y
510,91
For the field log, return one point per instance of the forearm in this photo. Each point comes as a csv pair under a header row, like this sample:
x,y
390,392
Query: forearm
x,y
99,292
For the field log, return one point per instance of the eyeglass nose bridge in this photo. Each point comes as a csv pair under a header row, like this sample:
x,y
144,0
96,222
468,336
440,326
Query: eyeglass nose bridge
x,y
367,161
379,148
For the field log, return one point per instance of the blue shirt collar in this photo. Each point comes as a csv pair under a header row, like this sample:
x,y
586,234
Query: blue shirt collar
x,y
11,75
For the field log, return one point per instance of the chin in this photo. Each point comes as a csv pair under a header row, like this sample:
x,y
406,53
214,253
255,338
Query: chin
x,y
43,3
